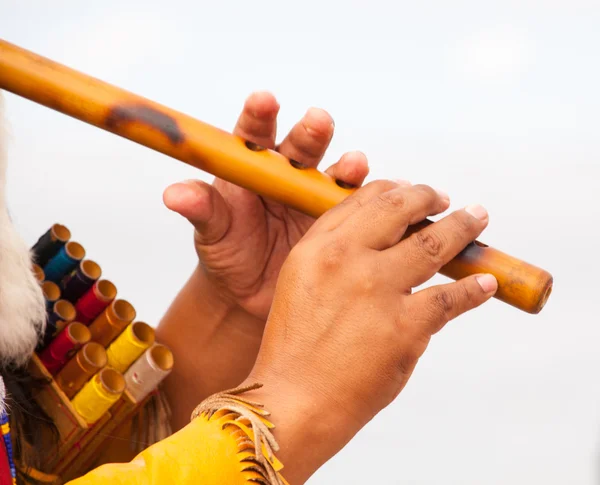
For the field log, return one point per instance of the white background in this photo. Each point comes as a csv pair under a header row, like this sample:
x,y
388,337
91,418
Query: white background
x,y
495,102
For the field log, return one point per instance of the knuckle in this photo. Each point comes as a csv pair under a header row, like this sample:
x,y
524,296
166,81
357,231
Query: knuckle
x,y
429,243
354,200
444,303
448,304
392,198
412,336
428,193
306,150
380,186
406,363
370,279
333,254
411,352
467,297
426,190
367,285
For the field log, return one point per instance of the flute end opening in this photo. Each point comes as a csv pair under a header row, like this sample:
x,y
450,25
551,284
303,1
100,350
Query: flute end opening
x,y
61,232
91,269
65,310
75,250
162,357
51,291
95,355
545,295
79,333
112,380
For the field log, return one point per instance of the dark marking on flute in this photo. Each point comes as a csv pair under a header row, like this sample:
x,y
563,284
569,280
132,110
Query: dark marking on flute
x,y
345,185
120,116
297,164
472,252
255,147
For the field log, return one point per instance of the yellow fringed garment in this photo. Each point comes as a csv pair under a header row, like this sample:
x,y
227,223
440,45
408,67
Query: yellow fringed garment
x,y
218,447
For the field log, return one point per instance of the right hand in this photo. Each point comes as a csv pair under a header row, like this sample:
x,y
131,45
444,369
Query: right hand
x,y
346,330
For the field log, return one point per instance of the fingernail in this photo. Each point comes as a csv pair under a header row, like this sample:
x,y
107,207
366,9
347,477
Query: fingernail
x,y
487,282
443,195
477,211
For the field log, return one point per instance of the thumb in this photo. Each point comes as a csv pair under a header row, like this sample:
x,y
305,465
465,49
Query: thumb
x,y
203,206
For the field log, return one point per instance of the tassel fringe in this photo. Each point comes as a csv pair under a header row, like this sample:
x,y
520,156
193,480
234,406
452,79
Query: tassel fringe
x,y
249,418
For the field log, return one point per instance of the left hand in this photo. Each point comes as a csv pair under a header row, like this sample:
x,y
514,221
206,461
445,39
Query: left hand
x,y
242,239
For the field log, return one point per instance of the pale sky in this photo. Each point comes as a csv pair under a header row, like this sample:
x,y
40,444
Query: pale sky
x,y
495,102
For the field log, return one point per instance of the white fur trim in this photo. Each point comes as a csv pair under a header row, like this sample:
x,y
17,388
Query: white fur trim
x,y
22,306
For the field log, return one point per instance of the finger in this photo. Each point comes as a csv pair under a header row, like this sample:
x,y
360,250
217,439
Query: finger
x,y
351,170
427,250
335,216
440,304
382,222
203,206
308,140
258,120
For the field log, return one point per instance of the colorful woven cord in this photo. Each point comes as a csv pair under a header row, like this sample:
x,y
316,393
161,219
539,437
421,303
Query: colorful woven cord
x,y
5,426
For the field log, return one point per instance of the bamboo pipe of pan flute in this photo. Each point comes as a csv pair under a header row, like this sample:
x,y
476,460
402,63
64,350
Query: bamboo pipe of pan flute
x,y
231,158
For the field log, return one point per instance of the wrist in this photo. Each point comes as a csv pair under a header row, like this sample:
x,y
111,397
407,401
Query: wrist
x,y
214,342
308,430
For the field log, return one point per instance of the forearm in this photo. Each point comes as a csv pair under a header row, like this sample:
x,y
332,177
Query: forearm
x,y
215,345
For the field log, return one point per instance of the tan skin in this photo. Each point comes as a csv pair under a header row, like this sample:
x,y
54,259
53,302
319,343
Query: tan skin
x,y
242,241
345,330
326,291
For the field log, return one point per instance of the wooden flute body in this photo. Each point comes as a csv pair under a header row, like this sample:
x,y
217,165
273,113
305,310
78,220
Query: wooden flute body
x,y
262,171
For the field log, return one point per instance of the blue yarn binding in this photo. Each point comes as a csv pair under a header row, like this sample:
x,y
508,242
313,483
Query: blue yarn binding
x,y
59,266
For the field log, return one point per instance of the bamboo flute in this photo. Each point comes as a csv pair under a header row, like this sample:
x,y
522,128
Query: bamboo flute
x,y
231,158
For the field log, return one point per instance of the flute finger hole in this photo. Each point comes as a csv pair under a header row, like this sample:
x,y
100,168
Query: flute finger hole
x,y
255,147
297,164
344,185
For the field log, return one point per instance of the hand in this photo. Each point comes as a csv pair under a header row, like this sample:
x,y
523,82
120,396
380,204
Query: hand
x,y
242,239
346,330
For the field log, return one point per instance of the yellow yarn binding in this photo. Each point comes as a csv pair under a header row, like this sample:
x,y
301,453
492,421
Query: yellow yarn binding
x,y
127,348
98,395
